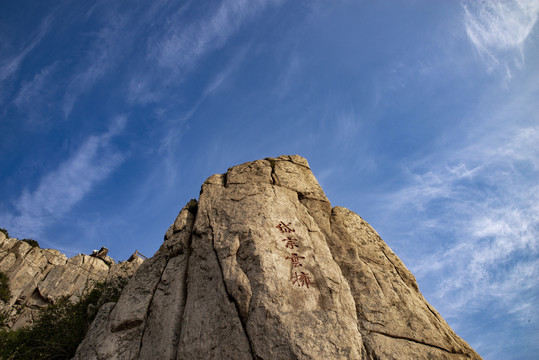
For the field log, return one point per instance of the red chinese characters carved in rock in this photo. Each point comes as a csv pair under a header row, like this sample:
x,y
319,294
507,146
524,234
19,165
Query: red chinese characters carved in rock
x,y
290,242
302,279
295,258
285,228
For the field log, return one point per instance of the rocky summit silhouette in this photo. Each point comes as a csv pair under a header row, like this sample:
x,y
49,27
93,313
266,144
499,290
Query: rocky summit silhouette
x,y
263,267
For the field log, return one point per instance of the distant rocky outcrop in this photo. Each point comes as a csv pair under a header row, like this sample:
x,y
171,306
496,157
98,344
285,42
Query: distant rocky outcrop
x,y
263,267
38,277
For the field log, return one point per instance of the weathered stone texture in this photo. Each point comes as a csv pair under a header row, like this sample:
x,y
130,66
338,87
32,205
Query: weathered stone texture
x,y
38,277
229,282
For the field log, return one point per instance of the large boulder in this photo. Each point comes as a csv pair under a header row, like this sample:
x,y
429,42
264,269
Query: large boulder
x,y
263,267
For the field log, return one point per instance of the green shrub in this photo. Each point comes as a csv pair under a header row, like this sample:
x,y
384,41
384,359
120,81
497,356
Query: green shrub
x,y
5,293
31,242
5,232
60,327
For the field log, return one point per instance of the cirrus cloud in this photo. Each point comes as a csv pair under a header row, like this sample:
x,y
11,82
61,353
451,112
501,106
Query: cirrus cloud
x,y
61,189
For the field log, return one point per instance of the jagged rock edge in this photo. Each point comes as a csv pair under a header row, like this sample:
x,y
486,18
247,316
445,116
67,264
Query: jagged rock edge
x,y
185,282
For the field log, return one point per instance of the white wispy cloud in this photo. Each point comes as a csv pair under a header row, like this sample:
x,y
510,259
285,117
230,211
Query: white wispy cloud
x,y
61,189
34,89
490,199
174,126
347,124
221,79
10,65
498,29
175,50
289,74
122,32
184,45
104,53
35,94
141,90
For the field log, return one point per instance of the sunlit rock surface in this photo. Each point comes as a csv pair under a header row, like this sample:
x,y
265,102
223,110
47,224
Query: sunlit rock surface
x,y
38,277
263,267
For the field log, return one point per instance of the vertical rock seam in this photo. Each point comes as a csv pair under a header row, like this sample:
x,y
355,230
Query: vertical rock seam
x,y
233,299
263,267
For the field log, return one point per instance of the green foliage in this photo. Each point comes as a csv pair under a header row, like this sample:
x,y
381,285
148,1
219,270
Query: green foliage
x,y
60,327
5,293
32,242
105,292
5,232
55,335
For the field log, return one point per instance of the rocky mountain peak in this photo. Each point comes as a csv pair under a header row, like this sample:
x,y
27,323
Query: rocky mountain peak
x,y
263,267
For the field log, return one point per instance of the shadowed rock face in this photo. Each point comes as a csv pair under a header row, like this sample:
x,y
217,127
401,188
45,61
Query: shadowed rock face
x,y
262,267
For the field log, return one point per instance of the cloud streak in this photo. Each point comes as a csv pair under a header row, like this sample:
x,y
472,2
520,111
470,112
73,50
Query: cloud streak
x,y
105,53
34,97
174,52
175,126
498,29
183,46
492,200
11,64
35,89
61,189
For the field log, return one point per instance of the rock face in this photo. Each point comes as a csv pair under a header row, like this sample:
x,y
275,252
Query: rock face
x,y
262,267
38,277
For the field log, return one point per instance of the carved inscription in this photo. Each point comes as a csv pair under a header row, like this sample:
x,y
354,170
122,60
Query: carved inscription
x,y
301,279
290,242
295,258
285,228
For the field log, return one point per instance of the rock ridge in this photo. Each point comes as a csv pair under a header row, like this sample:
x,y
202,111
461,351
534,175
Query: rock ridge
x,y
38,277
263,267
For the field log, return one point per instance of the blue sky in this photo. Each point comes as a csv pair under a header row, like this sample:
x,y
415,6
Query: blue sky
x,y
421,116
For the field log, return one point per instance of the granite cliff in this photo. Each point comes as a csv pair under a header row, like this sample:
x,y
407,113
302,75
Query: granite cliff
x,y
39,277
263,267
